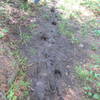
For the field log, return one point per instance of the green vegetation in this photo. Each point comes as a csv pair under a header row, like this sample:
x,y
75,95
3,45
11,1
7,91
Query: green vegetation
x,y
19,88
91,78
16,90
25,37
63,28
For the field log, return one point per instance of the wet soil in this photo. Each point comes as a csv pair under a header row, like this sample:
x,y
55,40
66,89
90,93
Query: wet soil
x,y
51,70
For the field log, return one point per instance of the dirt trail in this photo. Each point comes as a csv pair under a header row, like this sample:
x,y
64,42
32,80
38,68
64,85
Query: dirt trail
x,y
52,57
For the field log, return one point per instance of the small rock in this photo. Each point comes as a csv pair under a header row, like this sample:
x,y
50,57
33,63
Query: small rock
x,y
81,45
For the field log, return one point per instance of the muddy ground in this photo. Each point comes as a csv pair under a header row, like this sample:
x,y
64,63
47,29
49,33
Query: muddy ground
x,y
52,57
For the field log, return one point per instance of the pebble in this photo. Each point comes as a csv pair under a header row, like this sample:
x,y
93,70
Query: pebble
x,y
81,45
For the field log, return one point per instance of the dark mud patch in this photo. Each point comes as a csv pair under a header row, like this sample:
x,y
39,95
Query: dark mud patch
x,y
52,67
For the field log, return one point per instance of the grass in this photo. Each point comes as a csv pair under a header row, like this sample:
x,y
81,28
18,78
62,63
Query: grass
x,y
32,26
89,27
22,61
64,29
17,89
25,37
70,10
91,78
91,82
69,13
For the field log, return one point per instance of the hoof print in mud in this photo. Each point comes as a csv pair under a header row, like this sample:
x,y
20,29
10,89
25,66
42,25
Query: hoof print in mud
x,y
57,73
52,9
44,37
54,23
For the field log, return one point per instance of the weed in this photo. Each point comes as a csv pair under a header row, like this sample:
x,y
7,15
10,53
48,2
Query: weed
x,y
22,61
25,6
32,26
25,37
